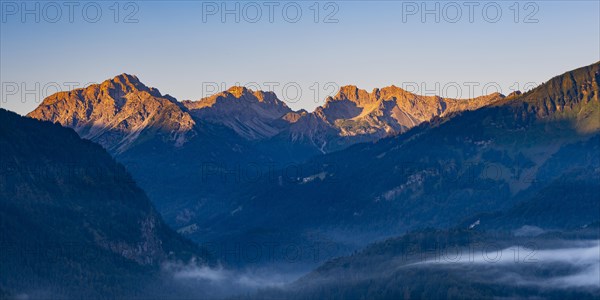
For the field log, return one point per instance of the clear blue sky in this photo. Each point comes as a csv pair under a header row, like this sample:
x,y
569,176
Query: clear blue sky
x,y
172,48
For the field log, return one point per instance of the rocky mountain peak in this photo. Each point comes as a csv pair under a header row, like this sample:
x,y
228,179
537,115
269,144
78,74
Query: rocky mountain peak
x,y
363,98
248,95
116,112
353,94
121,85
251,114
128,79
238,91
392,88
237,97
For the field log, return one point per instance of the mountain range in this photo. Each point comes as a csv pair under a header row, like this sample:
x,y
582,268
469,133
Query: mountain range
x,y
454,155
120,112
204,149
371,171
519,152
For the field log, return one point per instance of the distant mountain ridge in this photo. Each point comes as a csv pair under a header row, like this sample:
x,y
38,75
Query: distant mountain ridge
x,y
355,115
121,110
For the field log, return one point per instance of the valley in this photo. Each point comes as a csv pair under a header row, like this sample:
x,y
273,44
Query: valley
x,y
260,201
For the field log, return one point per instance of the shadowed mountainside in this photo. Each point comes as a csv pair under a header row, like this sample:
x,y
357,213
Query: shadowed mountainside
x,y
72,221
437,174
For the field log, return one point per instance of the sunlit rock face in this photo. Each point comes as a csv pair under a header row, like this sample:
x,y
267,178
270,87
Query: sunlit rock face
x,y
121,111
251,114
355,115
118,112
